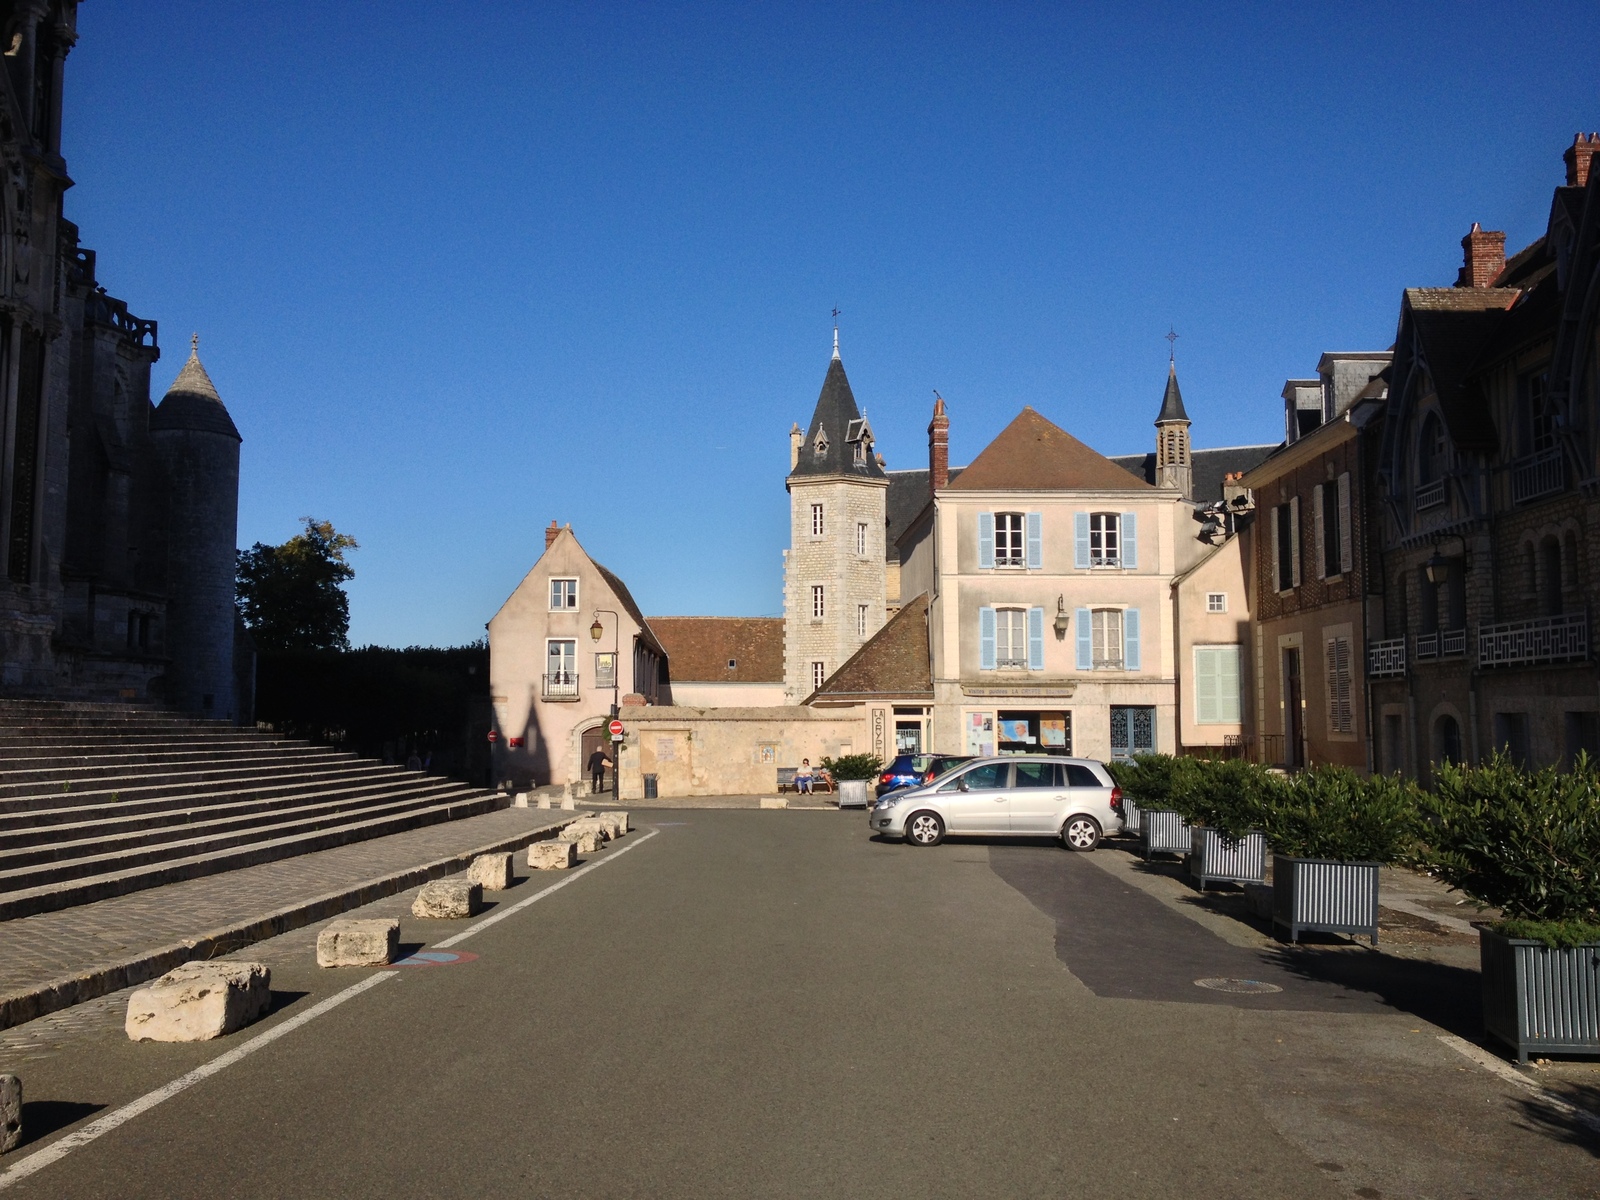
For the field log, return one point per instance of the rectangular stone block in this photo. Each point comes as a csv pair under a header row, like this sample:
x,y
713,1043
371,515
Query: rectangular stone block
x,y
587,839
552,856
493,871
544,801
620,816
520,800
199,1001
774,802
568,804
448,900
10,1112
358,943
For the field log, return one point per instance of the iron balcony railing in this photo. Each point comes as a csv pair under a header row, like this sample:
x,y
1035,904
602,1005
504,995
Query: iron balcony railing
x,y
1429,495
1427,646
1537,475
1011,664
560,685
1387,658
1541,640
1448,643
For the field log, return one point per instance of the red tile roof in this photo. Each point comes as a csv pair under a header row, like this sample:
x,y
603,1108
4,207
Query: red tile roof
x,y
700,648
1033,455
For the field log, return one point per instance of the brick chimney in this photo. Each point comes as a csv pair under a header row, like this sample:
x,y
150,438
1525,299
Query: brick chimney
x,y
938,446
551,534
1485,255
1577,158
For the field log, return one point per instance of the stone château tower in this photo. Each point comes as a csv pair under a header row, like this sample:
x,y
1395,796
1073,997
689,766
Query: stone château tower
x,y
198,446
834,589
1174,468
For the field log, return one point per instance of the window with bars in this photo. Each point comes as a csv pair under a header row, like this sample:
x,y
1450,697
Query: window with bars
x,y
819,605
1008,543
1341,711
816,520
819,675
1107,647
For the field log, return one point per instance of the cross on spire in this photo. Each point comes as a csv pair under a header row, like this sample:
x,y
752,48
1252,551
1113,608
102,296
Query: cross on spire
x,y
836,333
1172,344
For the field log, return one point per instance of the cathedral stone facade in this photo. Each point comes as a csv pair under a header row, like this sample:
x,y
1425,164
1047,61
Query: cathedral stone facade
x,y
117,516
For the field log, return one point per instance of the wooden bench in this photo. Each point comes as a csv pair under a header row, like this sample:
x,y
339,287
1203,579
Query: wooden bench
x,y
819,781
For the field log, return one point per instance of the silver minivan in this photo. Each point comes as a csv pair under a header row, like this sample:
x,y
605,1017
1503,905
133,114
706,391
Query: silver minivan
x,y
1032,795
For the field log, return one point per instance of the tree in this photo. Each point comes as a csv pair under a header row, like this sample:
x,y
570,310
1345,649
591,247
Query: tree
x,y
291,597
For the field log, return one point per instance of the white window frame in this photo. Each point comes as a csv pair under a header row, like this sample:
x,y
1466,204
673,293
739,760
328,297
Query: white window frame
x,y
818,525
565,675
1100,659
1010,638
1010,534
819,601
1105,539
1216,602
571,595
861,620
861,538
819,675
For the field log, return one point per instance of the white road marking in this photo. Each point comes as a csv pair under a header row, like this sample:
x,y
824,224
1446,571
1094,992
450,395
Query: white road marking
x,y
61,1147
1498,1066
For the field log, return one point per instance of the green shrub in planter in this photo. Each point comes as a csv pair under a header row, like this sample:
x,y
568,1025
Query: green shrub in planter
x,y
1332,813
1525,842
1229,795
852,766
1155,780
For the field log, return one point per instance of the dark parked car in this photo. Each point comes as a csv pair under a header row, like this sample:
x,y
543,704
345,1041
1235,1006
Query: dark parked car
x,y
915,770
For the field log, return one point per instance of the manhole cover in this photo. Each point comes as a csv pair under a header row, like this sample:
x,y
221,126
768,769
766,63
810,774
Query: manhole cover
x,y
1246,987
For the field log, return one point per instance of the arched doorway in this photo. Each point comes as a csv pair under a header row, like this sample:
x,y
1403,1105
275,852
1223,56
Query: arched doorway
x,y
1446,739
594,739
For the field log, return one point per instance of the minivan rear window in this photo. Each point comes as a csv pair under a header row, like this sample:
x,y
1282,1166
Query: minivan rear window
x,y
1082,777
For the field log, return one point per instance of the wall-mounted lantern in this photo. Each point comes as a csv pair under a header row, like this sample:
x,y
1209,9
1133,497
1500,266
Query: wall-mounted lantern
x,y
1061,616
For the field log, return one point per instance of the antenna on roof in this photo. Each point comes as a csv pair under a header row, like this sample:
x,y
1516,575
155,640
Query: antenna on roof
x,y
1172,344
836,333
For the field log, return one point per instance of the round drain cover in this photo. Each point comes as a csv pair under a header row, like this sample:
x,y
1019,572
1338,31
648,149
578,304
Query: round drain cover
x,y
1248,987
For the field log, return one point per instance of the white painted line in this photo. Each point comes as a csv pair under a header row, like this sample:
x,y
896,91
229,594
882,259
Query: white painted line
x,y
1498,1066
59,1149
480,926
62,1147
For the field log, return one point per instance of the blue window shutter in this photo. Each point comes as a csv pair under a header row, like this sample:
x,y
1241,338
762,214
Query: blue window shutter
x,y
1130,639
986,549
1080,539
1035,541
1036,639
986,639
1130,540
1085,635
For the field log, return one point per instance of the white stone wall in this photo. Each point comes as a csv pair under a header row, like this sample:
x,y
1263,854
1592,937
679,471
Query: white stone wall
x,y
851,578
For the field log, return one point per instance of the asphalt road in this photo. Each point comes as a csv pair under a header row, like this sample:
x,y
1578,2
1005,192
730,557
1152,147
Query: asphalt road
x,y
771,1004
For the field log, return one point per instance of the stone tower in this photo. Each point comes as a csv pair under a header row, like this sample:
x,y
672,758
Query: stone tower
x,y
1174,469
834,589
198,448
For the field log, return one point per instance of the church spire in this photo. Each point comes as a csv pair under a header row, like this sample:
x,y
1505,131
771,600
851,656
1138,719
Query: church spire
x,y
836,335
1173,468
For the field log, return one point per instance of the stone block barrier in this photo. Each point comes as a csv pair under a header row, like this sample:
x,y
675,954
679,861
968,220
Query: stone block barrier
x,y
358,943
199,1001
620,816
10,1112
774,802
552,856
493,871
448,900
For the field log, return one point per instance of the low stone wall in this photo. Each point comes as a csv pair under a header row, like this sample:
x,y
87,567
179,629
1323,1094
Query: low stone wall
x,y
731,751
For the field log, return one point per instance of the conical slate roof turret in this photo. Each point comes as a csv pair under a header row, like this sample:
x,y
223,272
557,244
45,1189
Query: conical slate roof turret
x,y
1172,401
192,401
839,440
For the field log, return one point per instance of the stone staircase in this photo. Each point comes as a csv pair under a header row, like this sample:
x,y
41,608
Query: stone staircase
x,y
100,800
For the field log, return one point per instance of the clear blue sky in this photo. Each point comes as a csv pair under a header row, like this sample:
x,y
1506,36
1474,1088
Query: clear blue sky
x,y
460,270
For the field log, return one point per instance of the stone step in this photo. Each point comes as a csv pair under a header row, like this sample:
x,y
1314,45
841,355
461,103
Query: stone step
x,y
29,866
70,766
102,779
12,744
117,882
68,839
129,797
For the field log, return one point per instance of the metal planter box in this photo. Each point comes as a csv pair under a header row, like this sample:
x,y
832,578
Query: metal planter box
x,y
1538,999
1164,832
1214,857
1131,813
852,793
1325,896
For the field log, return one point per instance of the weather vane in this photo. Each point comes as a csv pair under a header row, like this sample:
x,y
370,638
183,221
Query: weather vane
x,y
836,318
1172,344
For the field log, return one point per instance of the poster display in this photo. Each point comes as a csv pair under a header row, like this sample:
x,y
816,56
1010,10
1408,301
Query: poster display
x,y
1053,732
1016,730
980,733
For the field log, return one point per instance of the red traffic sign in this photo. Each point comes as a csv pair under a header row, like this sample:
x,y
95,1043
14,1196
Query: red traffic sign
x,y
616,728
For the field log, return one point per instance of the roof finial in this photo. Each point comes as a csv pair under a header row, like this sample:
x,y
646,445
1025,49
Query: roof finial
x,y
1172,345
194,344
836,333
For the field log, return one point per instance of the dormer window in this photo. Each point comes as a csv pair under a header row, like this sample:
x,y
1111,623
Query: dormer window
x,y
820,447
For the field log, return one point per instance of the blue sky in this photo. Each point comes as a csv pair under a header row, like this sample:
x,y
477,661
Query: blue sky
x,y
460,270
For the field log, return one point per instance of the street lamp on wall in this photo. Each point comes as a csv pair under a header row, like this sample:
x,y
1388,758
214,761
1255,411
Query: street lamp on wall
x,y
1061,616
1437,568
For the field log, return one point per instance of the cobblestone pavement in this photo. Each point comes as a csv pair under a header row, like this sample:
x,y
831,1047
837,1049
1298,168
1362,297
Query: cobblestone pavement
x,y
37,949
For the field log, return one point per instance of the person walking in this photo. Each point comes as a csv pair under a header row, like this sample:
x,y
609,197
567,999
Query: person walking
x,y
802,777
598,762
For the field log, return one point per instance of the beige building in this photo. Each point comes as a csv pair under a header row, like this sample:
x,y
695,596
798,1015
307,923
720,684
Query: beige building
x,y
553,684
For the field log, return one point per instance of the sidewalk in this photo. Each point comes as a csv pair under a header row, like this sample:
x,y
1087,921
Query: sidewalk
x,y
57,959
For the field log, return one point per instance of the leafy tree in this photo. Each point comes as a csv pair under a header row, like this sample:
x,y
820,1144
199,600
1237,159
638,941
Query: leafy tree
x,y
291,597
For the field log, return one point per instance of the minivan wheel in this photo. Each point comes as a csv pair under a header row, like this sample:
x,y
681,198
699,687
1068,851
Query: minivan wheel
x,y
924,829
1080,833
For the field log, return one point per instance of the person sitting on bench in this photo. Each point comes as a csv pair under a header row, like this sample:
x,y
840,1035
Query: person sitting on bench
x,y
802,776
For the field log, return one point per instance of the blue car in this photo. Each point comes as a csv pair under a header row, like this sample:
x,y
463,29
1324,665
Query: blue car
x,y
916,770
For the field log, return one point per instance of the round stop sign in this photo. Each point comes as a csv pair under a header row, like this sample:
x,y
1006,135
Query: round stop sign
x,y
616,728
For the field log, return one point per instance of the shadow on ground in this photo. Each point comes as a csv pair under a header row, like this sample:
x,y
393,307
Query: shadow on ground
x,y
41,1118
1581,1129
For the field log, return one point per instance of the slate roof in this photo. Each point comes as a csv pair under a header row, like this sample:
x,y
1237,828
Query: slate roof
x,y
192,403
908,495
1033,455
700,648
625,598
837,417
1453,326
1207,468
1172,398
894,662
